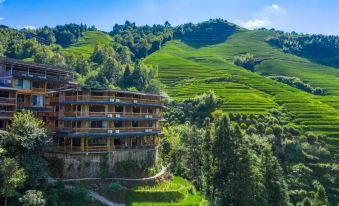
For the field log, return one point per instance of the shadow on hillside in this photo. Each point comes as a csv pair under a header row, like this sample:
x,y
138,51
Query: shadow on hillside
x,y
197,43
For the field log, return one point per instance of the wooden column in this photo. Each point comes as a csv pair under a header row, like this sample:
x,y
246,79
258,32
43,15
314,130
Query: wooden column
x,y
82,144
108,141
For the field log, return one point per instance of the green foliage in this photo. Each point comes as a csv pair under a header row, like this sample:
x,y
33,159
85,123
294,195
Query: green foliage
x,y
141,40
321,48
26,135
207,32
297,83
177,192
104,166
37,170
12,177
193,110
247,61
132,169
33,198
60,195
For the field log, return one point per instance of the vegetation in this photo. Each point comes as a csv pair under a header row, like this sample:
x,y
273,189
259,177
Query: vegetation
x,y
247,61
320,48
176,191
264,155
23,171
297,83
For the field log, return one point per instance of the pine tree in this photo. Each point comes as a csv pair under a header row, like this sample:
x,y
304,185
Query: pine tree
x,y
276,189
207,161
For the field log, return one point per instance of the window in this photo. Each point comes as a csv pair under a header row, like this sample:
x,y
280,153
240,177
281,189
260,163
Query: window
x,y
96,108
150,110
36,84
136,109
37,101
2,124
96,124
23,84
4,94
119,109
19,83
118,124
20,98
76,124
76,108
135,124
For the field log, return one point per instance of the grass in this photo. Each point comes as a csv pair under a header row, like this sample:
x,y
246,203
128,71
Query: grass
x,y
178,192
85,45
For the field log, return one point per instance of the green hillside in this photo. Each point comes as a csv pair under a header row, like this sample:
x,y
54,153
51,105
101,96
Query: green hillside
x,y
188,71
86,44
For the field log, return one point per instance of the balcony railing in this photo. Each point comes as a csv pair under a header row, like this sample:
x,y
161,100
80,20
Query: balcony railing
x,y
99,148
36,106
112,114
7,100
6,114
39,76
115,130
108,98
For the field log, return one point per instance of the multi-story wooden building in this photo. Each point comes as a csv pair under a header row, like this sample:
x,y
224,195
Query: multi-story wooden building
x,y
80,120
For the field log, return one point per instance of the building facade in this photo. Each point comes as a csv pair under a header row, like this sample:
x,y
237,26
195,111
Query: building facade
x,y
81,121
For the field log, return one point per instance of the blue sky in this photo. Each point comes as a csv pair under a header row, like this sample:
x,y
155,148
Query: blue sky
x,y
307,16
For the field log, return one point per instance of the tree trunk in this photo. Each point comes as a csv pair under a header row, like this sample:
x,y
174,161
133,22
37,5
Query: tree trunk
x,y
5,201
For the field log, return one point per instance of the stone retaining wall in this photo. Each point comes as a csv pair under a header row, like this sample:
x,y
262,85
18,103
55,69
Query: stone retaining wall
x,y
82,165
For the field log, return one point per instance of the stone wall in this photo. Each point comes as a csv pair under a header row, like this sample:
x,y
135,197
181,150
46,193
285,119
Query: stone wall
x,y
82,165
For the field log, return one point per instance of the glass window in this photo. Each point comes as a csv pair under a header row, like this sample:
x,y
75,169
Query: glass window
x,y
26,84
119,109
136,110
19,84
37,84
96,124
37,101
20,98
135,124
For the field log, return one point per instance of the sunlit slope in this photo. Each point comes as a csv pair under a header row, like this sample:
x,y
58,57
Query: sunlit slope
x,y
85,45
188,71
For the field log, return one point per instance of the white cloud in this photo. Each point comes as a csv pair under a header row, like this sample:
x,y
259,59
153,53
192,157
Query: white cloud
x,y
274,9
1,18
266,17
256,23
29,27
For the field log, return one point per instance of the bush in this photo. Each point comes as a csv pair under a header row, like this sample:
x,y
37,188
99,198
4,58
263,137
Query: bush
x,y
32,198
246,60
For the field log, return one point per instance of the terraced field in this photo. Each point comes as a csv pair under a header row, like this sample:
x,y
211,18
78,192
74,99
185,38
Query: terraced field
x,y
188,71
86,44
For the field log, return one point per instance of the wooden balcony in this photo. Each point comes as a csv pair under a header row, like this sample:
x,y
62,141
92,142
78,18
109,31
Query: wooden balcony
x,y
116,130
112,114
6,114
107,98
78,149
7,101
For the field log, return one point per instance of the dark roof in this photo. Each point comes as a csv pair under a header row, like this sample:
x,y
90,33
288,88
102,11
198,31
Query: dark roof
x,y
113,90
5,60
